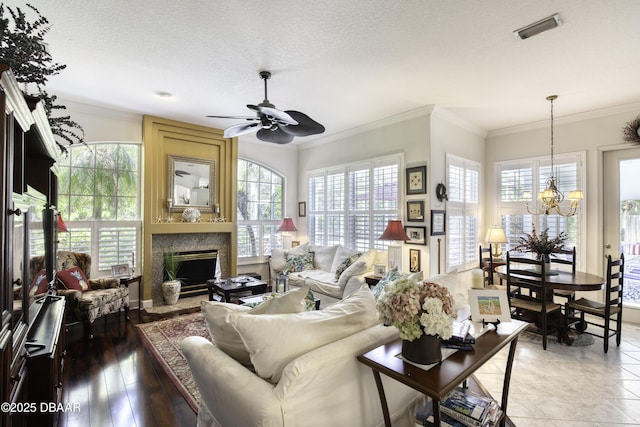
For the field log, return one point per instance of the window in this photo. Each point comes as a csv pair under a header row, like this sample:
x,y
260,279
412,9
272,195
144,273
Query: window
x,y
463,178
351,205
260,210
516,177
99,199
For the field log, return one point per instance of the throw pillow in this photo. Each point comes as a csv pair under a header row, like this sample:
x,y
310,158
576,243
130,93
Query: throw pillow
x,y
39,284
217,316
298,262
357,268
346,262
391,276
340,254
277,259
74,278
323,256
271,349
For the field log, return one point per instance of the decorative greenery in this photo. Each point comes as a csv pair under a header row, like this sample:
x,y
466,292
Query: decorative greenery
x,y
541,244
23,48
416,308
631,131
171,264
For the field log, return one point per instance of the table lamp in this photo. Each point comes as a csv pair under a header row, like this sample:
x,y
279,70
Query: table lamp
x,y
394,232
495,236
286,226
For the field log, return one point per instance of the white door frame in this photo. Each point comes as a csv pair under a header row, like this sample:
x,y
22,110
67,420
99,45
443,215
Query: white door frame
x,y
611,211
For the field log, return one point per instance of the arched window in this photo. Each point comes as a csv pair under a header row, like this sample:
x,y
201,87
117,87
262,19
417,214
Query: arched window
x,y
260,210
99,199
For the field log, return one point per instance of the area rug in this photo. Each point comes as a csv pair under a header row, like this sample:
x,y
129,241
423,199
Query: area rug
x,y
581,340
163,339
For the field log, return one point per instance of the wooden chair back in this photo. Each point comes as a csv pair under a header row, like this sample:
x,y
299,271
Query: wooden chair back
x,y
536,305
486,265
565,256
614,286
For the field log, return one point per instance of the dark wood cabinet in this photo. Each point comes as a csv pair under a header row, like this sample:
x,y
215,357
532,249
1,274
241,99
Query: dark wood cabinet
x,y
31,330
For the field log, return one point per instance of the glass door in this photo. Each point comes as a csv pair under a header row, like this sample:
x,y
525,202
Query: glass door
x,y
622,221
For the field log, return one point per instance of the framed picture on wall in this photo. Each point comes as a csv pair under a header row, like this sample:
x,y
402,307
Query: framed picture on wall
x,y
415,210
417,180
417,235
438,223
302,209
414,260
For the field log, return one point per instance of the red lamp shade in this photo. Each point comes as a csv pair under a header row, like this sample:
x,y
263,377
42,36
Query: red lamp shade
x,y
394,231
62,227
287,225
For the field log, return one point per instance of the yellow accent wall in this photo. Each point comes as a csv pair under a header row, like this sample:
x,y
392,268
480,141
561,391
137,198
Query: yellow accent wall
x,y
163,137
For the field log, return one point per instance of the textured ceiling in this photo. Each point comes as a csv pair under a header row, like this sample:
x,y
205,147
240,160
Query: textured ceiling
x,y
345,63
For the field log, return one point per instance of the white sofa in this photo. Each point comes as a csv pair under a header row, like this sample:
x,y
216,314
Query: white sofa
x,y
322,386
320,275
299,369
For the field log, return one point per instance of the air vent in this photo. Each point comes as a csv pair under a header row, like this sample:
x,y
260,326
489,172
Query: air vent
x,y
538,27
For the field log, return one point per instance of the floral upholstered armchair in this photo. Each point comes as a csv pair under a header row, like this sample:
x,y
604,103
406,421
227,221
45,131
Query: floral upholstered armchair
x,y
87,299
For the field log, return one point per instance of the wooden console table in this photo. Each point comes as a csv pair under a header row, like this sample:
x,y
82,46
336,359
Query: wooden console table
x,y
443,377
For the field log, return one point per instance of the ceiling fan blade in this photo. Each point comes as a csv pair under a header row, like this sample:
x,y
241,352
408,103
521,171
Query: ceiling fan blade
x,y
279,115
306,125
240,129
235,117
276,136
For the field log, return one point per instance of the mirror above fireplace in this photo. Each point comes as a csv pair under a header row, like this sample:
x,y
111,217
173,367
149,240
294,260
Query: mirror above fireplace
x,y
191,184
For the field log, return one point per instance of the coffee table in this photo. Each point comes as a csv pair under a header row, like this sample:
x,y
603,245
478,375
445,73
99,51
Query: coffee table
x,y
257,299
235,285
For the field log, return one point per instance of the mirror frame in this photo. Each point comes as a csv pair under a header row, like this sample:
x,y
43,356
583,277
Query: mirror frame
x,y
172,206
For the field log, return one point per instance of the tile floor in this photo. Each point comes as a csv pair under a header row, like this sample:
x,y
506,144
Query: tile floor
x,y
571,386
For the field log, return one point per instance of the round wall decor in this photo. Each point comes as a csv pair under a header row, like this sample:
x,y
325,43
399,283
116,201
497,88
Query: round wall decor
x,y
441,192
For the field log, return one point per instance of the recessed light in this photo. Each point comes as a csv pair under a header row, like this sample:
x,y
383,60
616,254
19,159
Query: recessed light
x,y
548,23
163,94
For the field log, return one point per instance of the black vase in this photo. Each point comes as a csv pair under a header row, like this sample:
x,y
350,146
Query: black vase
x,y
424,350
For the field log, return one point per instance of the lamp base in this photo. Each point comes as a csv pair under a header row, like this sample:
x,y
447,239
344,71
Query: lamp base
x,y
394,252
286,241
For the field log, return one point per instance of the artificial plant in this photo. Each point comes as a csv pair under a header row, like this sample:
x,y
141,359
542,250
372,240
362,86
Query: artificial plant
x,y
23,48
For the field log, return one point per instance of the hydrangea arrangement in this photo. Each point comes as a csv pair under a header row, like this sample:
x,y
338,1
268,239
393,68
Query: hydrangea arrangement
x,y
417,308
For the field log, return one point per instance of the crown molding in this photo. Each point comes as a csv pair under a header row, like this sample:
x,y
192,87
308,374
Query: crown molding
x,y
456,120
571,118
411,114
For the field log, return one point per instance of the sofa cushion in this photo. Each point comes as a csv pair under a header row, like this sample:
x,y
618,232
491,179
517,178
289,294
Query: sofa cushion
x,y
278,259
271,350
345,263
73,278
217,317
323,257
298,262
340,255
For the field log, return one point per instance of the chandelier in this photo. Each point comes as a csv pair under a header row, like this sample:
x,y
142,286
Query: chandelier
x,y
550,198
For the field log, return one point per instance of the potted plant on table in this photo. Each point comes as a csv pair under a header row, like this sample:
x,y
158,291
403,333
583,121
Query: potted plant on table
x,y
172,285
541,244
423,313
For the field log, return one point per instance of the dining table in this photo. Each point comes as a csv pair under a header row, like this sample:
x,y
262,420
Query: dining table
x,y
561,279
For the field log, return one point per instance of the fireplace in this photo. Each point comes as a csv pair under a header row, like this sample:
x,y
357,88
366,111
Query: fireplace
x,y
196,267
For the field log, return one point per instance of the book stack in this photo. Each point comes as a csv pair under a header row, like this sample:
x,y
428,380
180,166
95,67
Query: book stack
x,y
461,338
470,409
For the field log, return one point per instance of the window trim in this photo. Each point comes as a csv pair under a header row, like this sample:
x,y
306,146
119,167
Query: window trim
x,y
262,257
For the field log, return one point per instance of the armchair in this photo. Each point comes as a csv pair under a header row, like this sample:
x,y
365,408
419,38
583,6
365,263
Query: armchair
x,y
103,296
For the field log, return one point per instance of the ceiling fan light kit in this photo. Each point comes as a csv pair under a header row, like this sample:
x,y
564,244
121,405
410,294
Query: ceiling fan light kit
x,y
548,23
271,124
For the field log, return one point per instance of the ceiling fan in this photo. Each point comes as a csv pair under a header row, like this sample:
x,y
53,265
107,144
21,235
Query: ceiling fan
x,y
271,124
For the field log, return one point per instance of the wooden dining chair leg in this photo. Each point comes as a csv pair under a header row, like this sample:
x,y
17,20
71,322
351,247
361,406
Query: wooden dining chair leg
x,y
606,334
544,331
618,328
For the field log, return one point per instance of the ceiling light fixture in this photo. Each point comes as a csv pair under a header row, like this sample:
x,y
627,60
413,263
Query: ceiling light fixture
x,y
163,94
548,23
551,197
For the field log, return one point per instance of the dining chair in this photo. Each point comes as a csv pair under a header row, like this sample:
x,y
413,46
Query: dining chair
x,y
537,305
486,265
564,257
607,311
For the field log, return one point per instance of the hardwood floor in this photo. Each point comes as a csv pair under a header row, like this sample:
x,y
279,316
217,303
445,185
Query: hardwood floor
x,y
115,381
